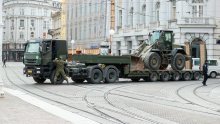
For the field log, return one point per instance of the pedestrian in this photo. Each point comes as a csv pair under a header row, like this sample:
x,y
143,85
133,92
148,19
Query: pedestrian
x,y
4,62
205,72
60,69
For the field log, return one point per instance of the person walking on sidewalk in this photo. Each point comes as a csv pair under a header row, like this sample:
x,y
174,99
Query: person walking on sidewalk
x,y
4,62
205,72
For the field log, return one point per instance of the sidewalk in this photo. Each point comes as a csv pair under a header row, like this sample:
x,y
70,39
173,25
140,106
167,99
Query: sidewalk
x,y
15,111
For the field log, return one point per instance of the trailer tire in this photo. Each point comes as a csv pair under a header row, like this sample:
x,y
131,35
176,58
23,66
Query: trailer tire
x,y
186,76
196,75
165,76
135,79
152,61
60,78
111,76
153,76
39,80
96,76
78,80
178,62
176,76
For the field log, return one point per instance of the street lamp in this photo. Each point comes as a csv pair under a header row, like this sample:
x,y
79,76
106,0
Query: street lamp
x,y
72,42
111,32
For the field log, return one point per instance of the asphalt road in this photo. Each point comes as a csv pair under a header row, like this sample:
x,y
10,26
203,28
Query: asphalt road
x,y
126,102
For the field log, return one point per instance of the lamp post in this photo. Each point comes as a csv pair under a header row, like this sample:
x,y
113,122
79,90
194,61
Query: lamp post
x,y
111,32
72,42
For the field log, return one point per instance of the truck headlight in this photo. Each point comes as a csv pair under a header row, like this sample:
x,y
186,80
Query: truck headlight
x,y
37,57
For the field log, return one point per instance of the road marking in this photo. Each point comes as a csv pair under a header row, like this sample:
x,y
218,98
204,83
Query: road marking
x,y
66,115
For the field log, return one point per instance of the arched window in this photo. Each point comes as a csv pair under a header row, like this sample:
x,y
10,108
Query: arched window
x,y
157,15
143,17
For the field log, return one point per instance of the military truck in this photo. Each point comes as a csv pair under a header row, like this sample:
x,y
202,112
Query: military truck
x,y
149,62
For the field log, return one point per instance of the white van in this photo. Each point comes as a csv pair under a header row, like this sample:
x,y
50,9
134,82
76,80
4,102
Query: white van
x,y
213,68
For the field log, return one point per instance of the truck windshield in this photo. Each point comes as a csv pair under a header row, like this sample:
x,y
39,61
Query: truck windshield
x,y
33,47
155,36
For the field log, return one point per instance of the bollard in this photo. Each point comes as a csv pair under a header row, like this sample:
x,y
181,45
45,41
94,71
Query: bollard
x,y
2,94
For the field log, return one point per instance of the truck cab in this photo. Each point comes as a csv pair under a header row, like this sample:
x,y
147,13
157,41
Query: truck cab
x,y
39,55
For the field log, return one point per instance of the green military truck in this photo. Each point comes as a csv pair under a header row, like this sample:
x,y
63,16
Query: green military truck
x,y
149,62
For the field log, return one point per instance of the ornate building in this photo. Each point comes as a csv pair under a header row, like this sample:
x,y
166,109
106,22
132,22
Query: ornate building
x,y
194,21
24,20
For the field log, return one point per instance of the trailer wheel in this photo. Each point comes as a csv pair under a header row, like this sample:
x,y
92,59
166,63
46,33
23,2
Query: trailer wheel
x,y
165,76
96,76
176,76
78,80
111,76
187,76
153,76
59,78
135,79
213,74
152,61
196,75
39,80
178,62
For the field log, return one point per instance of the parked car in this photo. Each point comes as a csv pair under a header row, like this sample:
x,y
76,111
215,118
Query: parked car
x,y
213,68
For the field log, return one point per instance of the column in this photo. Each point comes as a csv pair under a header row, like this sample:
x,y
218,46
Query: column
x,y
1,29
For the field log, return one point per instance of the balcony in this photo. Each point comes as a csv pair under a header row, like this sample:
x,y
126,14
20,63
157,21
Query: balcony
x,y
197,21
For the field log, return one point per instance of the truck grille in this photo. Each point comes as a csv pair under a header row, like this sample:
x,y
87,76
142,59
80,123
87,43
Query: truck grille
x,y
31,61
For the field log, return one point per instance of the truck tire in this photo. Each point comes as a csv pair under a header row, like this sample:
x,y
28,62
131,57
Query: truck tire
x,y
196,75
59,78
96,76
178,62
111,76
135,79
39,80
153,76
78,80
213,74
186,76
152,61
176,76
165,76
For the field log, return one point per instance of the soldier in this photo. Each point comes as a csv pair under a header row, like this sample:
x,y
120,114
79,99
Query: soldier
x,y
205,71
4,62
60,69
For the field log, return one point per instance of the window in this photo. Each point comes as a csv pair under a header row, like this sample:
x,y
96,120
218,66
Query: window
x,y
32,34
32,12
131,16
174,9
197,8
21,35
45,25
21,11
3,35
32,23
12,24
21,23
129,47
12,35
157,11
120,18
218,41
143,15
45,12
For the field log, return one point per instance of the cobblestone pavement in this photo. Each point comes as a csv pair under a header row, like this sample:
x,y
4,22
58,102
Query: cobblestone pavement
x,y
126,102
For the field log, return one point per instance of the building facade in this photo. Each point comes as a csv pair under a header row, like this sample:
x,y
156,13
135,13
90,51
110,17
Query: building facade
x,y
88,23
1,33
196,22
25,20
56,25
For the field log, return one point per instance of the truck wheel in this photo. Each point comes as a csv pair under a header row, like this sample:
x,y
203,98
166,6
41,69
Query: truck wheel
x,y
196,75
152,61
186,76
96,76
176,76
78,80
135,79
213,74
178,62
165,76
111,76
59,78
39,80
153,76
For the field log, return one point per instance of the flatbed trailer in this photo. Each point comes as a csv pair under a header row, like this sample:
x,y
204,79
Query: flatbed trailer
x,y
108,69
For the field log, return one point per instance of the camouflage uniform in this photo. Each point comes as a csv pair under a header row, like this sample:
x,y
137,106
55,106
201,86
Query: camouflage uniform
x,y
60,69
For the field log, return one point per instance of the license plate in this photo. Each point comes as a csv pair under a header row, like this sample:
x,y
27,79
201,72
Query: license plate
x,y
29,71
